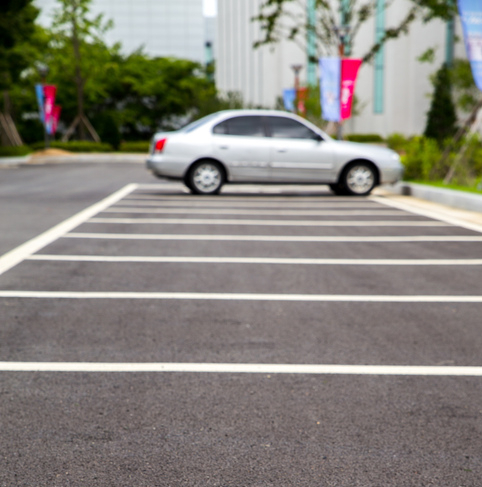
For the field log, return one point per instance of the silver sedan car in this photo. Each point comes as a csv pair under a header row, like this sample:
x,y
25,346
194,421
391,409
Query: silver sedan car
x,y
267,146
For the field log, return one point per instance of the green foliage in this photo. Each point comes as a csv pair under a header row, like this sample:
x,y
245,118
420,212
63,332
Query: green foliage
x,y
17,19
20,151
441,118
466,92
397,142
421,159
364,138
135,146
75,146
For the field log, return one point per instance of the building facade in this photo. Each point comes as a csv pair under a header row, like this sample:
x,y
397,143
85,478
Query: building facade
x,y
162,27
393,92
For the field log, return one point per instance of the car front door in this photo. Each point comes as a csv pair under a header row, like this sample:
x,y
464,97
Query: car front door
x,y
297,153
241,144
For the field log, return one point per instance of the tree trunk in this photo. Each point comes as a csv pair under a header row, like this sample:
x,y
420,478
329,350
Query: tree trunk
x,y
79,80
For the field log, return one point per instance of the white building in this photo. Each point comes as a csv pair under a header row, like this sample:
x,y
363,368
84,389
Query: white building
x,y
393,93
163,27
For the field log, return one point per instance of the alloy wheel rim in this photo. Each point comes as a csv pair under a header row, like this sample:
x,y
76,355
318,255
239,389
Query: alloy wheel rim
x,y
207,177
360,179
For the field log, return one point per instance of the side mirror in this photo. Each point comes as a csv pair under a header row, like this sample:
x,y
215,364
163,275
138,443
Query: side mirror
x,y
318,138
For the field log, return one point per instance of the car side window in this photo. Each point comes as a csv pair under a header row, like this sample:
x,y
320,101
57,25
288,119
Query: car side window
x,y
286,128
248,126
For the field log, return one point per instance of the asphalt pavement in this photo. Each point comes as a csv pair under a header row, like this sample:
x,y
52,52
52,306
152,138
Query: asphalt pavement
x,y
268,336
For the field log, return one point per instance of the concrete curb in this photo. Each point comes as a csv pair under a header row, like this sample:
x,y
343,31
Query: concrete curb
x,y
75,158
448,197
14,161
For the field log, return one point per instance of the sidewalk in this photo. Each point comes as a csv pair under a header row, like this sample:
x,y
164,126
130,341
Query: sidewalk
x,y
449,197
443,202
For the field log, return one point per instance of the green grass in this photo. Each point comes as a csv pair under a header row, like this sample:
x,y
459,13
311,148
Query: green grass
x,y
457,187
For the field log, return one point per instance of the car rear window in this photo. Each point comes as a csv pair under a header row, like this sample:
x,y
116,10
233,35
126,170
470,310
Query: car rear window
x,y
248,126
286,128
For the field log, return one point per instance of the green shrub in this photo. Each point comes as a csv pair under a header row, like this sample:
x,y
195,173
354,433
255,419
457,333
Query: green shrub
x,y
397,142
422,159
75,146
140,146
19,151
441,118
364,138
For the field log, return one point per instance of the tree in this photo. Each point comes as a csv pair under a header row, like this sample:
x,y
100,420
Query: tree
x,y
73,27
17,19
17,24
287,19
441,116
466,93
149,94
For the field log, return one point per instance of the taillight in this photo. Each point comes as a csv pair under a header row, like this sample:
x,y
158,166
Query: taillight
x,y
160,145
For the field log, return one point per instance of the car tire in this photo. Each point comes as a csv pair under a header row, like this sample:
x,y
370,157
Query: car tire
x,y
338,189
205,177
359,179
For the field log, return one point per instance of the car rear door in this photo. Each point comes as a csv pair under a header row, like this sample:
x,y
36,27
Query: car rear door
x,y
297,153
242,145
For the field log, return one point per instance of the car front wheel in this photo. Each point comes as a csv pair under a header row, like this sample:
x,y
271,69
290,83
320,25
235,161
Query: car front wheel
x,y
205,177
359,179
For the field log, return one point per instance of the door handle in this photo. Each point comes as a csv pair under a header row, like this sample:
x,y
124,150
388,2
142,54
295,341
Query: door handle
x,y
282,150
224,147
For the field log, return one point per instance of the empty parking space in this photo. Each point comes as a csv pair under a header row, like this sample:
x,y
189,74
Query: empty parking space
x,y
284,337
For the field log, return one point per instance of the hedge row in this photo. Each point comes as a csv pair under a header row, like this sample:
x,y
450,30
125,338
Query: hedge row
x,y
75,146
23,150
134,147
365,138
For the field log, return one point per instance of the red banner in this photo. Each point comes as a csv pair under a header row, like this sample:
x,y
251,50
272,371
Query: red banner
x,y
55,117
349,71
49,102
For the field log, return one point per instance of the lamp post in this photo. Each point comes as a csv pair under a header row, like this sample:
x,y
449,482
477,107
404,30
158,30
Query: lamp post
x,y
296,69
342,32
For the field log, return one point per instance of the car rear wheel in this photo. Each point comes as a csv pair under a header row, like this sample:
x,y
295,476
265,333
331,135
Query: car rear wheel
x,y
205,177
359,179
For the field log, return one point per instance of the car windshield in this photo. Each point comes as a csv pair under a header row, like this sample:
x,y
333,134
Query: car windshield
x,y
197,123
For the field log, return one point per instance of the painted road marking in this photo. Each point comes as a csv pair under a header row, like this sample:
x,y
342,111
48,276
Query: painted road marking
x,y
253,260
285,223
236,211
362,298
274,238
403,370
186,202
17,255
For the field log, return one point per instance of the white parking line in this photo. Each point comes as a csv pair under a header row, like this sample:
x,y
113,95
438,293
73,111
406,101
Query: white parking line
x,y
342,298
221,202
17,255
231,368
254,260
283,223
274,238
236,211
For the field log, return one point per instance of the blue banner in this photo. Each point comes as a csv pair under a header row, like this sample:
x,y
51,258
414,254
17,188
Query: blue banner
x,y
330,68
39,91
289,96
471,17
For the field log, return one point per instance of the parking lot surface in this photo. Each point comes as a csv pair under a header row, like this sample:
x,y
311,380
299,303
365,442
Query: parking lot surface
x,y
268,336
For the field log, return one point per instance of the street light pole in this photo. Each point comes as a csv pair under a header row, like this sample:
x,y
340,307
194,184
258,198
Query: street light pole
x,y
296,69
